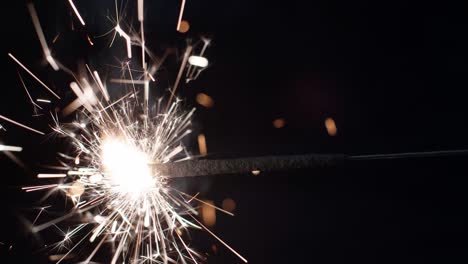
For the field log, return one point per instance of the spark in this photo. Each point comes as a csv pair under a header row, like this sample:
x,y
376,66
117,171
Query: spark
x,y
126,81
101,86
198,61
142,32
181,71
43,101
39,187
40,35
221,241
27,92
56,38
10,148
34,76
181,14
76,12
89,40
42,209
58,175
127,39
21,125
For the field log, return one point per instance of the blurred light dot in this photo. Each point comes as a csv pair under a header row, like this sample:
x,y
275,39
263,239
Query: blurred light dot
x,y
58,257
229,205
279,123
256,172
208,213
198,61
95,178
204,100
184,26
202,145
214,248
76,189
99,219
331,126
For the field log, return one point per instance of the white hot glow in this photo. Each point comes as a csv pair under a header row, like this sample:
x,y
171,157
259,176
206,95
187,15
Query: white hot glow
x,y
127,167
198,61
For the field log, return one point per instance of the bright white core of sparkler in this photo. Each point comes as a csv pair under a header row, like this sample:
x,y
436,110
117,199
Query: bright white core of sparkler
x,y
127,168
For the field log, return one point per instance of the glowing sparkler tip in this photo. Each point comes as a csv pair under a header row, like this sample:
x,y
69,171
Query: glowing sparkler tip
x,y
198,61
127,167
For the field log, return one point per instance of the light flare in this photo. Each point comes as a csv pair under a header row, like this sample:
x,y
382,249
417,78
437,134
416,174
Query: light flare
x,y
127,167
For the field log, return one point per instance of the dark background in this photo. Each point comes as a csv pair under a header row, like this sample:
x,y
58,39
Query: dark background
x,y
391,74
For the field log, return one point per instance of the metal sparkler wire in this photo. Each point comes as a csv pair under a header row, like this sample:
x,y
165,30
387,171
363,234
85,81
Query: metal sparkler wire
x,y
206,167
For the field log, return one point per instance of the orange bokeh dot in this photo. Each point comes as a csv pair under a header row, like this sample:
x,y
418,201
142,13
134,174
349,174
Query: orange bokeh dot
x,y
184,26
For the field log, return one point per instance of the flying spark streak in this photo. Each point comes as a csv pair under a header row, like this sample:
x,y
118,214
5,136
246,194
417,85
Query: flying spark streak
x,y
27,92
90,41
43,175
10,148
181,14
142,33
40,187
125,81
40,35
101,86
188,50
43,101
21,125
221,241
56,38
127,39
76,12
32,75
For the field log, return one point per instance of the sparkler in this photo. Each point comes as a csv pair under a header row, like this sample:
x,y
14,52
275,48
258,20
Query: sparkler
x,y
119,196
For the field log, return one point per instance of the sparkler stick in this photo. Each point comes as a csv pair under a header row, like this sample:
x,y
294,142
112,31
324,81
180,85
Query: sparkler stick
x,y
193,168
422,154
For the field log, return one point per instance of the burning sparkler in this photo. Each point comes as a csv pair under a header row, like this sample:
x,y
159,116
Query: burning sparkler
x,y
111,172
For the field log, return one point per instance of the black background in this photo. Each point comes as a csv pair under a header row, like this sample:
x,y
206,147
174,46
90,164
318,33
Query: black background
x,y
391,74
